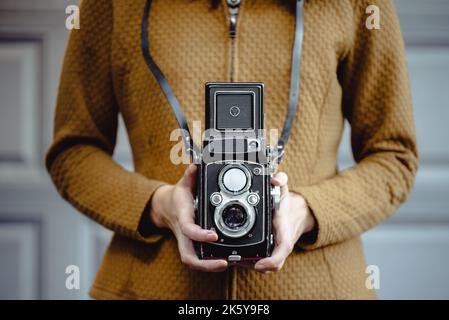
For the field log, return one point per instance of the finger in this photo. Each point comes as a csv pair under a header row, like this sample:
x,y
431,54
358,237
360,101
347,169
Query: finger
x,y
189,178
196,233
281,250
189,258
280,179
276,261
193,231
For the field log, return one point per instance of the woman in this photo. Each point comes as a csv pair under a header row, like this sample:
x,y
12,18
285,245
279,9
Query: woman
x,y
347,72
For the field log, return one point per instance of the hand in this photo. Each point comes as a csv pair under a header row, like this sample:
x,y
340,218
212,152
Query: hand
x,y
172,207
291,220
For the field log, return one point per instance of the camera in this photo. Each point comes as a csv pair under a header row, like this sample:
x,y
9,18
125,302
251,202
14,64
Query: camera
x,y
234,196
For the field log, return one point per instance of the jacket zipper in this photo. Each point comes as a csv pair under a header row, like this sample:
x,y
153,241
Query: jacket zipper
x,y
233,9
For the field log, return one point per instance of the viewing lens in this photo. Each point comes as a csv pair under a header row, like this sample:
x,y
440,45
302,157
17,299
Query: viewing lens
x,y
234,216
234,111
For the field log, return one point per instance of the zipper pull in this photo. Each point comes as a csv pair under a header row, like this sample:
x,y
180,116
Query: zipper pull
x,y
233,9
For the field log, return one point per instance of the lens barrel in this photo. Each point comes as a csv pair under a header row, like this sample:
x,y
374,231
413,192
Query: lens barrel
x,y
234,216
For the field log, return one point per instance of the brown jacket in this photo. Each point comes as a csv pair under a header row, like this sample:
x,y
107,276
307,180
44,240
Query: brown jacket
x,y
347,72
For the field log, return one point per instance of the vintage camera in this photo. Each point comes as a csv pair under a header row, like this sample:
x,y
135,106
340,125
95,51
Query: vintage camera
x,y
234,193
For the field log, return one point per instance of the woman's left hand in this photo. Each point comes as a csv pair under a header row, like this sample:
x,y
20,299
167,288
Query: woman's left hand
x,y
293,219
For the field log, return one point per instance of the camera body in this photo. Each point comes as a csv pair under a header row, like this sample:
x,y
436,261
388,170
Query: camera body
x,y
234,193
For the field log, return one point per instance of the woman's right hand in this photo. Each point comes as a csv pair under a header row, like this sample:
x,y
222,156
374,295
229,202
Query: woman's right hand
x,y
172,207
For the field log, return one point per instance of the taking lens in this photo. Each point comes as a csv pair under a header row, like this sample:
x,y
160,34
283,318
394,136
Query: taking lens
x,y
234,216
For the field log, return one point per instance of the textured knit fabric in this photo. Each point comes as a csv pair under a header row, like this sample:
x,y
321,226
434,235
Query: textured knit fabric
x,y
347,72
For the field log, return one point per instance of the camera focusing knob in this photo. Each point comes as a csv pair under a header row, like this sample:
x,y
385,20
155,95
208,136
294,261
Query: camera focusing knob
x,y
276,197
195,204
253,145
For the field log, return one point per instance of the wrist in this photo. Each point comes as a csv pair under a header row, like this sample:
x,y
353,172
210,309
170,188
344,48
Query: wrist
x,y
159,204
308,219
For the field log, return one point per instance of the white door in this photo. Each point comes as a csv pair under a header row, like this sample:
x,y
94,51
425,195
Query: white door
x,y
40,235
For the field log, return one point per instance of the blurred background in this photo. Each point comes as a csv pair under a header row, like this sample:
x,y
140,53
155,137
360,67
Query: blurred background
x,y
40,235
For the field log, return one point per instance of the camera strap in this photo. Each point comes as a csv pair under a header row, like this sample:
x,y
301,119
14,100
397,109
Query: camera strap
x,y
190,146
294,81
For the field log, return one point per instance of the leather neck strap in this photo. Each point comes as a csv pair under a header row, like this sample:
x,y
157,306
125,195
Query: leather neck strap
x,y
191,147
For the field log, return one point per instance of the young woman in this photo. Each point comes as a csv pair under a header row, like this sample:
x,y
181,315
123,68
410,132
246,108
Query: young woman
x,y
348,71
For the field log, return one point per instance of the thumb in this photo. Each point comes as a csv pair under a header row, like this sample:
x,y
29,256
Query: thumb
x,y
189,178
281,180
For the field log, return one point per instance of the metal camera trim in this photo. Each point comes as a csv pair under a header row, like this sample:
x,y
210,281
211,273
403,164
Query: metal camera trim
x,y
226,169
240,232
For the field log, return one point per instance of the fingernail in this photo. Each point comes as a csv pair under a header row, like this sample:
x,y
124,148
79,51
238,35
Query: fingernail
x,y
212,235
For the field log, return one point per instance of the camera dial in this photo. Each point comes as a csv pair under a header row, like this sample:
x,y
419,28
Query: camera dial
x,y
276,196
216,198
253,199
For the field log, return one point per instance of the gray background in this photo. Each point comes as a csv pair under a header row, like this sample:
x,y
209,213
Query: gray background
x,y
40,234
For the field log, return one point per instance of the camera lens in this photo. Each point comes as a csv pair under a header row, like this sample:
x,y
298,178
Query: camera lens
x,y
234,216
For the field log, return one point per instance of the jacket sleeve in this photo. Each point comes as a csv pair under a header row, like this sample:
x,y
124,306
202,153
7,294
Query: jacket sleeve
x,y
80,158
377,105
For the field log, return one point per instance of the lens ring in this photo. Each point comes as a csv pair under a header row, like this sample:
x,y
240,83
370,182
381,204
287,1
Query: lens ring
x,y
240,229
234,216
229,167
235,180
